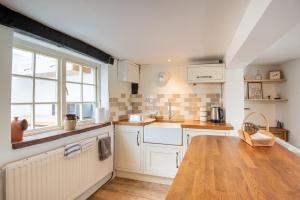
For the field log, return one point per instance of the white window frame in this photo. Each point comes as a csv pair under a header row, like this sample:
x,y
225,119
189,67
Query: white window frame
x,y
61,81
64,88
34,78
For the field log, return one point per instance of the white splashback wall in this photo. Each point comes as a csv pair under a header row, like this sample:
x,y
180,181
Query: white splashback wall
x,y
177,83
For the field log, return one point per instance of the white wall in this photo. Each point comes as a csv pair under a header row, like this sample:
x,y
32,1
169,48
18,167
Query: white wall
x,y
177,83
6,41
289,112
234,97
250,18
263,23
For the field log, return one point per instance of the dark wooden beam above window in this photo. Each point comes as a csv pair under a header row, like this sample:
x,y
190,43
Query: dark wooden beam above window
x,y
28,26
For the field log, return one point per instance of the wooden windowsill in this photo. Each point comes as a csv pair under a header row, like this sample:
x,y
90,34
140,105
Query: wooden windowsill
x,y
55,135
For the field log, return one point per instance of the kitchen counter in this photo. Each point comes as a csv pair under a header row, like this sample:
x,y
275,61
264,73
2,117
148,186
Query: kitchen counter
x,y
227,168
206,125
184,124
128,123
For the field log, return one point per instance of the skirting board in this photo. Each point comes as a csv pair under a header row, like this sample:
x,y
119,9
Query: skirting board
x,y
288,146
144,177
94,188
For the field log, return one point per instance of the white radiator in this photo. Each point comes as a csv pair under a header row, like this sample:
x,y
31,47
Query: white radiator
x,y
51,176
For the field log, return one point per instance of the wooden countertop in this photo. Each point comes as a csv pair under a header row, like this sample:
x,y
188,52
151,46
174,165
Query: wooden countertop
x,y
217,167
206,125
128,123
184,124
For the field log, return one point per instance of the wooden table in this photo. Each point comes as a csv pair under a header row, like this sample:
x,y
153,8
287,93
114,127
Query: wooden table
x,y
217,167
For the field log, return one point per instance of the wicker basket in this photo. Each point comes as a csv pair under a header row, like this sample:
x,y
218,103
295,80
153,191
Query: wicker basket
x,y
246,135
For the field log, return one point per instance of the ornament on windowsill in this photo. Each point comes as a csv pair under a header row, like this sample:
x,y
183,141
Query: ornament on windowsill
x,y
17,129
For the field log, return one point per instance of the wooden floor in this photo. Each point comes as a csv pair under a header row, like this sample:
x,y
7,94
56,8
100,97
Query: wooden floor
x,y
122,189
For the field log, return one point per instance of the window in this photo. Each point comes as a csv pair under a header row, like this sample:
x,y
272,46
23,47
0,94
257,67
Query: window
x,y
34,94
80,90
38,79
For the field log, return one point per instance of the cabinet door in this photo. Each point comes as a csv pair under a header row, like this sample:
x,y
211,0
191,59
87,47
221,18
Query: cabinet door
x,y
188,134
128,72
133,73
128,150
205,74
162,160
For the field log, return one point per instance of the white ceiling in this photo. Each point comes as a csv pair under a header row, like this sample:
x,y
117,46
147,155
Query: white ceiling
x,y
144,31
285,49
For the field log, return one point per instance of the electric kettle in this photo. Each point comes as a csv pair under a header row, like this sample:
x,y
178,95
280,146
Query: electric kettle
x,y
217,114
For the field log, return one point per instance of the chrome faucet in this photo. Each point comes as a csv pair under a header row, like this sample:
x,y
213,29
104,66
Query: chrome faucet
x,y
170,110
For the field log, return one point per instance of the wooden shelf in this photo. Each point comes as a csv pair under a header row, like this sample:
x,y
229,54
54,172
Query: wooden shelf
x,y
267,100
266,81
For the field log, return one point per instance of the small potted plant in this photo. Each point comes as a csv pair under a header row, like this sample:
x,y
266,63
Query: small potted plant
x,y
70,122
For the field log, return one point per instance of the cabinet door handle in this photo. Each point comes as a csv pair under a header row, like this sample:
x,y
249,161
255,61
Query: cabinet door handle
x,y
204,77
177,160
137,138
188,140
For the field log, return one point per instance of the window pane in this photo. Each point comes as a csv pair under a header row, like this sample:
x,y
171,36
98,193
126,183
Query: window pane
x,y
73,92
73,108
46,67
89,93
45,91
22,89
88,75
22,62
45,115
88,111
23,112
73,72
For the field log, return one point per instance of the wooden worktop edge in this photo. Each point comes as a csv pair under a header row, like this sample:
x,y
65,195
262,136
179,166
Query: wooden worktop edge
x,y
55,135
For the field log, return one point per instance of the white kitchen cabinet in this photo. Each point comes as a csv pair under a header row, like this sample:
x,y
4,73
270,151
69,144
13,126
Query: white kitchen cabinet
x,y
129,152
210,73
162,160
128,72
188,134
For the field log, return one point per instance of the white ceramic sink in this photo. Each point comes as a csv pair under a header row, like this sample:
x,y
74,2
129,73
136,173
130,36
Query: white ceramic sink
x,y
163,133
